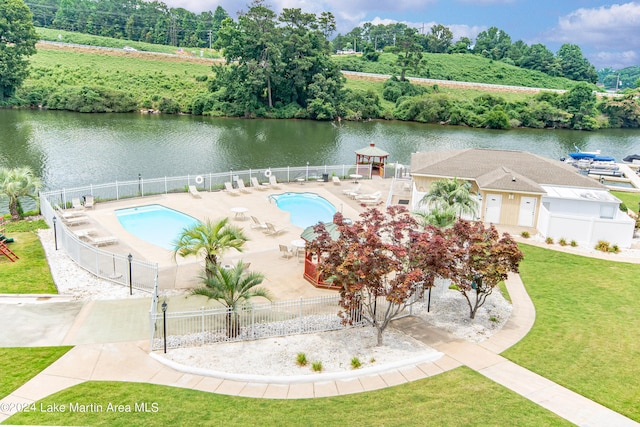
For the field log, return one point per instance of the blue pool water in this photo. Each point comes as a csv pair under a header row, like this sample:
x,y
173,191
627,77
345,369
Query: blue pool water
x,y
155,223
306,209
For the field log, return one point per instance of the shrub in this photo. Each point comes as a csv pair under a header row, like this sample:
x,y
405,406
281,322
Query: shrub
x,y
602,245
615,249
549,241
355,363
562,241
301,359
372,360
316,366
525,234
574,243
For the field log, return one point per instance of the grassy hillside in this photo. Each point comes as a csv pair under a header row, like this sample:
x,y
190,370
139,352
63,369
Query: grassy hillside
x,y
54,35
459,67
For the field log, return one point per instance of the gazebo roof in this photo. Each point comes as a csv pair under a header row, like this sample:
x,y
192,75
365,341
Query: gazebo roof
x,y
309,235
372,151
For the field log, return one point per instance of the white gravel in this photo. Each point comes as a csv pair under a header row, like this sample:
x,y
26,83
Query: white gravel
x,y
277,356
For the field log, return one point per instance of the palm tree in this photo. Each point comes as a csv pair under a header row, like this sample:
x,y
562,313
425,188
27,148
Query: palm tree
x,y
211,239
16,183
232,287
441,218
451,193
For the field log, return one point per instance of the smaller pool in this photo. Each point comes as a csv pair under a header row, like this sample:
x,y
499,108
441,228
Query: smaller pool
x,y
156,224
306,209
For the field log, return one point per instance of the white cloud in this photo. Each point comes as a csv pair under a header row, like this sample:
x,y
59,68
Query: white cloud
x,y
615,60
617,25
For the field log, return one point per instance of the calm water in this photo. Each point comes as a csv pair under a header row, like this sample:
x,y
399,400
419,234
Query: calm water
x,y
306,209
71,149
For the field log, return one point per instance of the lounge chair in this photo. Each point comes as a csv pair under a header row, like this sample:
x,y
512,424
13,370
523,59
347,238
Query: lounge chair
x,y
68,214
285,251
352,192
272,230
82,234
255,223
194,191
88,202
75,220
374,195
273,182
76,204
241,186
101,240
230,190
336,180
373,201
255,184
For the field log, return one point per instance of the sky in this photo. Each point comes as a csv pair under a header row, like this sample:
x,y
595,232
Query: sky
x,y
608,33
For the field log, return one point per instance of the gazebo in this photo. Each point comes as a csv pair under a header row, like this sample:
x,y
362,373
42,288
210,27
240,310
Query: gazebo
x,y
373,156
311,258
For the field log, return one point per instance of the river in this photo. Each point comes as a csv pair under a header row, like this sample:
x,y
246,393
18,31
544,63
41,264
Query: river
x,y
71,149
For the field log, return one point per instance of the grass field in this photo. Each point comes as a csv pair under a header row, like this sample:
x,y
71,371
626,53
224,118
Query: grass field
x,y
586,336
30,274
456,398
19,365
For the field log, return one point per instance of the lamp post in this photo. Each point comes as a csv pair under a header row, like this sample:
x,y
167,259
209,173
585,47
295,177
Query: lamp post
x,y
164,324
55,232
130,258
139,184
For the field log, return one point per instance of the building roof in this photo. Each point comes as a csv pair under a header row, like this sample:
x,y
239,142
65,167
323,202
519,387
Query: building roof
x,y
372,151
580,194
500,169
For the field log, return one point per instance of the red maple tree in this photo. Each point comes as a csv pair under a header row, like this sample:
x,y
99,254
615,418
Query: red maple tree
x,y
483,259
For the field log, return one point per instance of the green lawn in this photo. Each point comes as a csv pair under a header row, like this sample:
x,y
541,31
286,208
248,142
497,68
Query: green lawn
x,y
456,398
19,365
629,199
586,336
30,273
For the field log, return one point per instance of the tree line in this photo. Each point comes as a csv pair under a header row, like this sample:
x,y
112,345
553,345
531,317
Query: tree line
x,y
493,43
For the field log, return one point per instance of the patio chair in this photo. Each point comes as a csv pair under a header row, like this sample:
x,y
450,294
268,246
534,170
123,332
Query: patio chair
x,y
336,180
88,202
241,186
285,251
255,184
101,240
230,190
273,231
194,191
75,220
76,204
273,182
374,195
255,223
353,191
62,214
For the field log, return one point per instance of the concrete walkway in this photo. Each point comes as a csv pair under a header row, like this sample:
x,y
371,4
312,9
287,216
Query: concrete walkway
x,y
130,361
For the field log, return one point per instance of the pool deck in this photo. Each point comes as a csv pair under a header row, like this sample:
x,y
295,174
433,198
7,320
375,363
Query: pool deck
x,y
262,251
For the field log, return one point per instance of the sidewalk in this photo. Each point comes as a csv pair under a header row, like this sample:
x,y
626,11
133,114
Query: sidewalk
x,y
130,361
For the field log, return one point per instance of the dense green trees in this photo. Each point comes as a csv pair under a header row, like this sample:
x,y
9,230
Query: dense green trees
x,y
17,41
277,63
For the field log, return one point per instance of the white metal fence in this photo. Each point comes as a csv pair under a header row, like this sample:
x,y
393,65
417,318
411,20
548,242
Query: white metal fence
x,y
255,321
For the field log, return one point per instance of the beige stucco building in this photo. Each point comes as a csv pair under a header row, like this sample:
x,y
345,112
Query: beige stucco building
x,y
516,188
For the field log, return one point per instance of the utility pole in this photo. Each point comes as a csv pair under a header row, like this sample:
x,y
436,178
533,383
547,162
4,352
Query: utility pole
x,y
209,39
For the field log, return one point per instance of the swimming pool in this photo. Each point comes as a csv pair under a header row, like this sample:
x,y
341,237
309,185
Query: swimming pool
x,y
306,209
155,223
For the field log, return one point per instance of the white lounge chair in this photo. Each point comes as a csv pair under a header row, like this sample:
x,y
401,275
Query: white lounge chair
x,y
68,214
88,202
352,192
241,186
336,180
255,223
230,190
373,201
255,184
285,251
374,195
101,240
273,182
194,191
76,204
75,220
272,230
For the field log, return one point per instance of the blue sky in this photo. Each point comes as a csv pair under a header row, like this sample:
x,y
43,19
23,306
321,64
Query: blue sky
x,y
608,33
